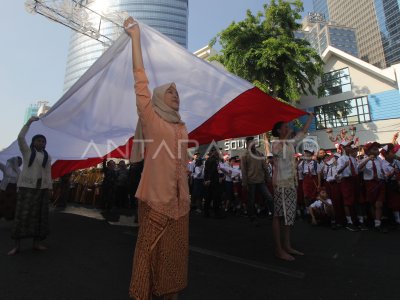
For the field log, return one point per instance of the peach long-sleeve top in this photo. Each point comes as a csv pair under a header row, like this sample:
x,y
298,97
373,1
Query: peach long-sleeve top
x,y
163,185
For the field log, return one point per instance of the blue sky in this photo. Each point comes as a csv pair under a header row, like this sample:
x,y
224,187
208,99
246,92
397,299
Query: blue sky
x,y
33,53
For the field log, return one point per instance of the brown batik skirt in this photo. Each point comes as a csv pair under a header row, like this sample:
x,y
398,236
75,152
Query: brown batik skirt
x,y
31,214
160,262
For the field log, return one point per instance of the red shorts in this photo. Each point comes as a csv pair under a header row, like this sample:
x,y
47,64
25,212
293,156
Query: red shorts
x,y
375,191
300,193
393,196
310,186
347,188
359,190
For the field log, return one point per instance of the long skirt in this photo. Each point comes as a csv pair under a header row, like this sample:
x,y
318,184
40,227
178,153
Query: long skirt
x,y
32,214
160,262
8,201
285,204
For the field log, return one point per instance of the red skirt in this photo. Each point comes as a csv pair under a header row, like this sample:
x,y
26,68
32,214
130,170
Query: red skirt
x,y
333,190
310,186
375,191
300,193
393,195
347,188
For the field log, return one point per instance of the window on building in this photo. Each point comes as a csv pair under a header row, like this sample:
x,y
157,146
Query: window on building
x,y
336,82
343,113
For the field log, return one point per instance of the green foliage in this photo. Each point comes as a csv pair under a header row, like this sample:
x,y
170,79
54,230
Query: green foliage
x,y
263,50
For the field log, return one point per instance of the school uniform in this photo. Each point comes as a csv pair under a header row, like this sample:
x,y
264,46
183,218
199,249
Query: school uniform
x,y
310,181
392,184
300,178
348,179
374,180
333,189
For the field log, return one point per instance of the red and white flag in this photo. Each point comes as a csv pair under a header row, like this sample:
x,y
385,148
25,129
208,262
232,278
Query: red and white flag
x,y
97,115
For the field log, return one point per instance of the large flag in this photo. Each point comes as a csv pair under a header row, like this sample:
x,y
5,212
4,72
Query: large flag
x,y
97,115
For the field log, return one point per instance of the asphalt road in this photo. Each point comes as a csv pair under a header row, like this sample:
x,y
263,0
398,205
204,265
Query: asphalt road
x,y
90,258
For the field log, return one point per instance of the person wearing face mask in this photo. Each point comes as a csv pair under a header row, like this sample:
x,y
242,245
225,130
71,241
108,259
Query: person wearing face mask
x,y
34,186
8,187
160,263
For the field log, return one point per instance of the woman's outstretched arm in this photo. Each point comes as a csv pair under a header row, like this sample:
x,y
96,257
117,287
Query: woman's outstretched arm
x,y
143,95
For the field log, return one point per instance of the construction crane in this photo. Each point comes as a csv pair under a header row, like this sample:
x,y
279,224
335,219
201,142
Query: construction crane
x,y
80,16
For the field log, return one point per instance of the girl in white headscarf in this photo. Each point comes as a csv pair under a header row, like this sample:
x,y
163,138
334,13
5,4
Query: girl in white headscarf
x,y
8,187
161,255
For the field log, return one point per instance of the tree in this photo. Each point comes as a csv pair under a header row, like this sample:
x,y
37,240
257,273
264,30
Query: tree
x,y
263,49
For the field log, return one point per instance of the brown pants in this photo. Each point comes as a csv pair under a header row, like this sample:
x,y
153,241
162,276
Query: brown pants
x,y
160,263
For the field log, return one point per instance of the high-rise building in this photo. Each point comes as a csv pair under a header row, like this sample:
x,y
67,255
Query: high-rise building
x,y
170,17
377,23
37,109
321,34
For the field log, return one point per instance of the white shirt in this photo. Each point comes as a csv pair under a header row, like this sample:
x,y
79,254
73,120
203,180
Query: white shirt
x,y
198,172
331,172
347,171
191,166
320,204
322,168
368,171
310,166
300,170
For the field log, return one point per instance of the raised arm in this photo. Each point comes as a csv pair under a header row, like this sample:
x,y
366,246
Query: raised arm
x,y
143,95
308,123
23,145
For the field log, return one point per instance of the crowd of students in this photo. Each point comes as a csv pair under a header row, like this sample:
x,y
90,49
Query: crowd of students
x,y
355,187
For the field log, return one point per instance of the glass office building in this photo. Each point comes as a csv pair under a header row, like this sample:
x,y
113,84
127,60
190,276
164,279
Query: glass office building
x,y
388,15
377,23
321,6
170,17
321,35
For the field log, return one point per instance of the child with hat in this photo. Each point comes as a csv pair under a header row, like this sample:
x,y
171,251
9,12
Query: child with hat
x,y
374,179
347,169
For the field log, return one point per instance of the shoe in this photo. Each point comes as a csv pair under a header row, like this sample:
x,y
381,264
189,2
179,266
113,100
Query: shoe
x,y
351,227
363,227
198,211
382,229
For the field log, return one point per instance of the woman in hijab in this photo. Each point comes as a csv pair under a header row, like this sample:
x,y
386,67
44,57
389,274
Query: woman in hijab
x,y
8,187
161,256
34,185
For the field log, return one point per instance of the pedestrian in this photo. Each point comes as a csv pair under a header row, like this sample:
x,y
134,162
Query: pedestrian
x,y
374,178
322,210
8,187
254,177
311,178
34,189
348,171
160,264
391,167
121,185
108,184
285,181
213,181
198,185
333,188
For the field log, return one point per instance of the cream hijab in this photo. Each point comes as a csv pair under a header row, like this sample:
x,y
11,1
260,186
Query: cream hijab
x,y
164,111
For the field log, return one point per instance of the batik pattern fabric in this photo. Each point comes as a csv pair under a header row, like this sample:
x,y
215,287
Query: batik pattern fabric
x,y
285,204
32,214
160,263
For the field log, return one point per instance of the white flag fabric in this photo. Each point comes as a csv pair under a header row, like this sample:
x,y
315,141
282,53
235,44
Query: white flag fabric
x,y
98,113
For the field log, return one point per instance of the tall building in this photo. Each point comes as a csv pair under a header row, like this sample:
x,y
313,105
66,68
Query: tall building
x,y
377,23
321,34
170,17
37,109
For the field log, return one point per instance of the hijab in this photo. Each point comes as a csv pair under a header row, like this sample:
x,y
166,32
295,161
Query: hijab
x,y
163,110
